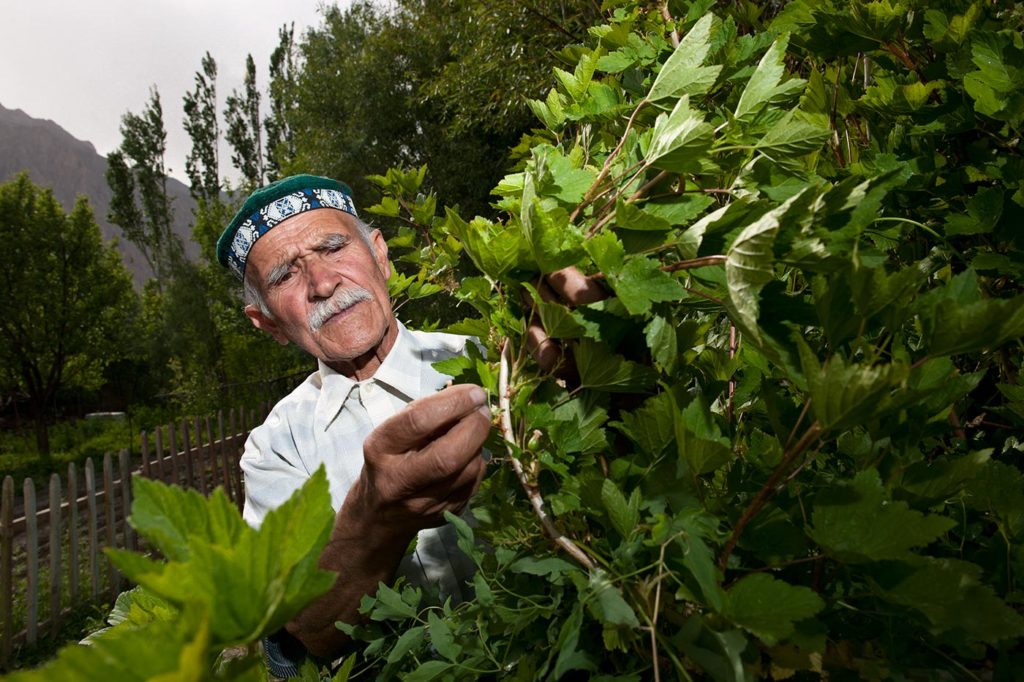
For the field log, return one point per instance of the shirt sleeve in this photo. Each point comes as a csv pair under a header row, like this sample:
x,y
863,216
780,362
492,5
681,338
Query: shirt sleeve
x,y
272,470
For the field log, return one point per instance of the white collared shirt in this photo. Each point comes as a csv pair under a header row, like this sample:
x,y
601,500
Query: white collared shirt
x,y
325,421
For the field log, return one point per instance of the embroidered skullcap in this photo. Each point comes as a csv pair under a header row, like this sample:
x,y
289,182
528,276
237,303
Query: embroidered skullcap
x,y
270,206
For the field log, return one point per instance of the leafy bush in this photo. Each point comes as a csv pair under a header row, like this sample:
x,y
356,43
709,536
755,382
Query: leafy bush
x,y
791,441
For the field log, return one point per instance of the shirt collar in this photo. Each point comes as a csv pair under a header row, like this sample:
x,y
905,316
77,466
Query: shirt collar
x,y
399,374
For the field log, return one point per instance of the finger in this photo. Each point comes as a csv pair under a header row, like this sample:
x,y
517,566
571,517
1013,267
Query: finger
x,y
574,287
448,455
545,351
424,419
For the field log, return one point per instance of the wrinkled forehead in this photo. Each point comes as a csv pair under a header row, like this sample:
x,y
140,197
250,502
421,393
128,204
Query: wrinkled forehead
x,y
297,235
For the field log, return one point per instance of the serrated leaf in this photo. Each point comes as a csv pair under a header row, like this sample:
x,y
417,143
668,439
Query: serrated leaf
x,y
682,73
641,282
390,605
441,637
622,514
944,477
651,426
952,597
607,602
700,444
275,566
749,267
855,523
845,394
954,318
409,640
768,607
427,671
680,139
602,370
569,657
551,566
791,137
763,82
663,341
632,217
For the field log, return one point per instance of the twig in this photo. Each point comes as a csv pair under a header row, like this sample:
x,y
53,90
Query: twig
x,y
657,607
767,491
588,197
536,501
667,16
732,381
707,296
695,263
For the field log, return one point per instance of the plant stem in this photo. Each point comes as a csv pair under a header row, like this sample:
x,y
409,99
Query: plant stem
x,y
532,493
768,490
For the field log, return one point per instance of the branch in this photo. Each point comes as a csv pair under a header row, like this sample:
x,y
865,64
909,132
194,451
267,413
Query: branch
x,y
536,501
667,16
767,491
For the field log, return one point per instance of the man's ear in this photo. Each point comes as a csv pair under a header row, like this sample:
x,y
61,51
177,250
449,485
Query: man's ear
x,y
380,252
262,321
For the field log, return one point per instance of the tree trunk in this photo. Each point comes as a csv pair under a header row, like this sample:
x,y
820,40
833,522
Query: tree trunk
x,y
42,430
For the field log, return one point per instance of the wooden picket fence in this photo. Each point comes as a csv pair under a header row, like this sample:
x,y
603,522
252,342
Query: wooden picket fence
x,y
51,560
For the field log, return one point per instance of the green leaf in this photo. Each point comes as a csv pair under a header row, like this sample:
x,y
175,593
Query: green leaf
x,y
601,370
769,608
683,74
569,656
791,137
663,341
427,671
699,441
275,566
632,217
409,640
651,426
390,605
606,601
844,395
680,139
441,637
749,267
551,566
641,282
129,654
763,82
855,523
954,318
984,210
950,594
623,514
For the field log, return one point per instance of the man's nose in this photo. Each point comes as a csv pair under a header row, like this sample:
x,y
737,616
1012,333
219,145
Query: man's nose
x,y
323,278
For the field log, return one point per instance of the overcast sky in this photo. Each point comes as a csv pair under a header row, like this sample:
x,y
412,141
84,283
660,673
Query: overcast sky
x,y
84,64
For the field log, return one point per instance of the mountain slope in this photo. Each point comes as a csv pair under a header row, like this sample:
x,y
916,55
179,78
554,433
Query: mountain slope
x,y
54,158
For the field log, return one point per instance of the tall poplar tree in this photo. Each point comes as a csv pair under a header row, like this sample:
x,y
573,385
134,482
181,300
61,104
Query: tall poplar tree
x,y
242,115
202,162
284,67
137,177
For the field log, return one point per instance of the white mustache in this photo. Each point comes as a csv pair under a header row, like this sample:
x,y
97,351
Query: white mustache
x,y
340,301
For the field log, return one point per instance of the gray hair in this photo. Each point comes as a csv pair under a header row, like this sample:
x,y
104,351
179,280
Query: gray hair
x,y
251,293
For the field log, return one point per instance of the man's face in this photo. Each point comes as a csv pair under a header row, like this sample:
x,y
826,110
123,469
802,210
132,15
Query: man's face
x,y
325,288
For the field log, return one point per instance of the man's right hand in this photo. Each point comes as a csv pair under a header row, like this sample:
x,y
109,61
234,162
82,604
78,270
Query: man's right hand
x,y
421,462
426,460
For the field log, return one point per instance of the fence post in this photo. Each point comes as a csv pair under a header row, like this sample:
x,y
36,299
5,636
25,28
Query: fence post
x,y
90,495
6,570
145,455
172,435
202,461
124,464
222,448
108,507
186,445
55,554
32,561
73,532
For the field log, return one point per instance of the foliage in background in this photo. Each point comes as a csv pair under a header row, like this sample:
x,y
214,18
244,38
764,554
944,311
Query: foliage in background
x,y
438,82
792,439
67,300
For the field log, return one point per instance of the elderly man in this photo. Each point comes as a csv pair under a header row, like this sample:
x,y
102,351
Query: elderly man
x,y
400,449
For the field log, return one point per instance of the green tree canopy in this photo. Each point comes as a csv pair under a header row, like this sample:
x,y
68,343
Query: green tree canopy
x,y
67,298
